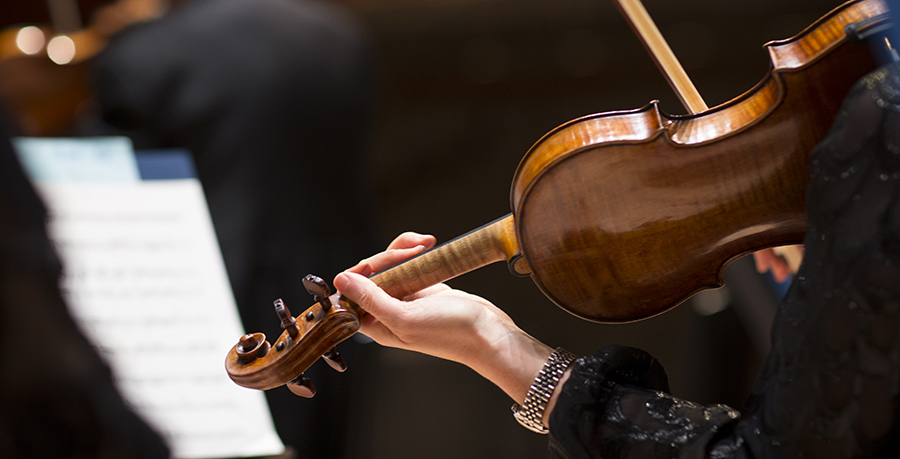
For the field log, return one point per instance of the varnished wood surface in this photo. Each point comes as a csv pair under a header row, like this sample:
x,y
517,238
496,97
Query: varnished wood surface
x,y
623,216
489,244
290,357
817,39
318,329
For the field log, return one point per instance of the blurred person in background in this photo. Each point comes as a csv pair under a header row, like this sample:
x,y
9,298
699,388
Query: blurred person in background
x,y
273,99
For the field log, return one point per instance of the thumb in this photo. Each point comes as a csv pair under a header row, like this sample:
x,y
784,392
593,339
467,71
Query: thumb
x,y
365,293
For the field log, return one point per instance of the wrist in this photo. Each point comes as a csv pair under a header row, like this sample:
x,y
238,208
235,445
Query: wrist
x,y
511,361
530,372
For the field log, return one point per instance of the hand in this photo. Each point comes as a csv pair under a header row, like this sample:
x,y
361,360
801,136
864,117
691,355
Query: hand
x,y
443,322
437,321
769,260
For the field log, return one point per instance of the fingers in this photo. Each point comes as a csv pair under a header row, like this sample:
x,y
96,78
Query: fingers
x,y
385,260
365,293
409,239
767,260
781,272
402,248
762,259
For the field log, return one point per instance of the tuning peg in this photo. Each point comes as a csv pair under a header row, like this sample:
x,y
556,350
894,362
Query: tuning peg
x,y
319,290
302,386
251,346
335,360
287,320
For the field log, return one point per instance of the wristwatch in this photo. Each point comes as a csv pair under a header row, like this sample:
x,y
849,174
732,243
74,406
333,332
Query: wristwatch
x,y
531,412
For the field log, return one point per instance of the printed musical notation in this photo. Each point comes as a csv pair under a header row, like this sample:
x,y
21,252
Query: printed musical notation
x,y
144,278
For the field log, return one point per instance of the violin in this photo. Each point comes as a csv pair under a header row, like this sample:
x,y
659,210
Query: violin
x,y
622,216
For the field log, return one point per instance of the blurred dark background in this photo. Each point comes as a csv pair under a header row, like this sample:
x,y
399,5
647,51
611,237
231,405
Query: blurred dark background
x,y
465,87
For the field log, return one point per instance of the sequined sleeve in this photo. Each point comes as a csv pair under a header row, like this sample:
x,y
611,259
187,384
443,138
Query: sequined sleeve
x,y
616,404
830,384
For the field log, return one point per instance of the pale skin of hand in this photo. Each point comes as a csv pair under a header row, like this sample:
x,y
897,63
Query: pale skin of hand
x,y
768,260
446,323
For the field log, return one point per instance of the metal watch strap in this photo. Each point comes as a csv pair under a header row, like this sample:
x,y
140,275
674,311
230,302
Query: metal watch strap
x,y
531,412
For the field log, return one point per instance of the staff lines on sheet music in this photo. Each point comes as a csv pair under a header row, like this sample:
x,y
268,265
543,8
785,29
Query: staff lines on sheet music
x,y
149,289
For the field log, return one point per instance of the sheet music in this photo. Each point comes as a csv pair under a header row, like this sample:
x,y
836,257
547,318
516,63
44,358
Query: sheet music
x,y
145,280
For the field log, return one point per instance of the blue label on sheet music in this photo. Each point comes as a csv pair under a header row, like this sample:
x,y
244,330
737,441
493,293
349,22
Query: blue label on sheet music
x,y
98,159
168,164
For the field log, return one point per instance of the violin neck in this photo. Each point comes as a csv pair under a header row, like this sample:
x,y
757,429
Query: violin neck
x,y
491,243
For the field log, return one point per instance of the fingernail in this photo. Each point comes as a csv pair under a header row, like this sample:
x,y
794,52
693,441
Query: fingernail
x,y
341,281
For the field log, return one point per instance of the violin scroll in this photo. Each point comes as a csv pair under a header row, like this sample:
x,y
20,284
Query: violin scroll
x,y
256,364
251,346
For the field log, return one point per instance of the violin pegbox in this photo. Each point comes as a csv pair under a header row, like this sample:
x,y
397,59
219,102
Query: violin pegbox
x,y
255,364
320,292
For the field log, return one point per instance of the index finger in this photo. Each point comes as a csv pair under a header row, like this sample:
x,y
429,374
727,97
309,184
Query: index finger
x,y
410,239
402,248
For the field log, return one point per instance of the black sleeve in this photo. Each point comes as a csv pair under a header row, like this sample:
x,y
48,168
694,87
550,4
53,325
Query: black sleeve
x,y
616,404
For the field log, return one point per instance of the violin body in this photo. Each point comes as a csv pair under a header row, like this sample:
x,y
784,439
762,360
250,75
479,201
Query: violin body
x,y
621,216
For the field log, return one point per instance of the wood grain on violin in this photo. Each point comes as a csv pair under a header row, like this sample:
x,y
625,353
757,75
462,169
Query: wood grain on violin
x,y
621,216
